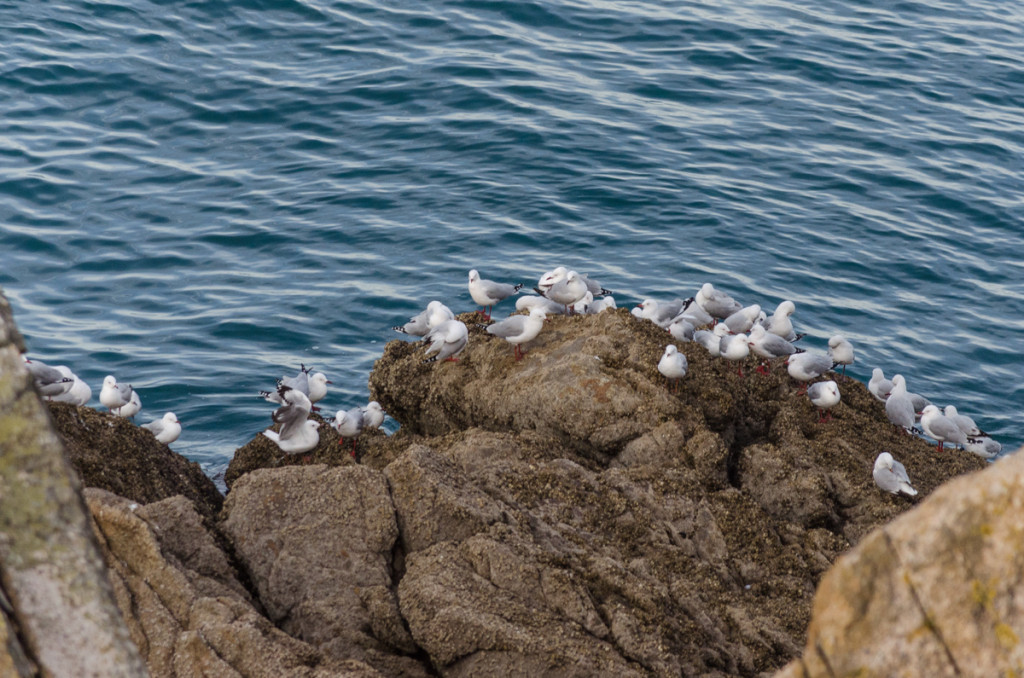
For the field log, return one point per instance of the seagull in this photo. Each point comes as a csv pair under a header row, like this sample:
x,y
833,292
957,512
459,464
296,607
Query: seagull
x,y
298,433
941,428
373,415
891,476
742,320
567,292
734,347
698,316
348,424
681,329
879,385
984,447
132,408
583,305
314,387
446,341
717,304
418,325
964,423
603,304
660,313
561,273
824,395
841,351
780,323
709,340
806,366
113,395
487,293
528,302
49,381
166,429
519,329
673,366
769,346
899,406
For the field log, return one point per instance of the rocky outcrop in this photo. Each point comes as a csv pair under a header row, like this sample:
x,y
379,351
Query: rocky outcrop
x,y
113,454
57,611
933,593
567,515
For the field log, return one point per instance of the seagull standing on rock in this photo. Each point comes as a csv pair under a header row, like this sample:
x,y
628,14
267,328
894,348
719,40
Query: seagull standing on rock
x,y
806,366
50,381
780,322
841,351
673,366
717,304
824,395
899,406
487,293
519,329
446,341
567,292
418,325
166,429
879,386
349,424
742,320
941,428
891,476
734,347
298,433
769,346
114,396
373,415
661,313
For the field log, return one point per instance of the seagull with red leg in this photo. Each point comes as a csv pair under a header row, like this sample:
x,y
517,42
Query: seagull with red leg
x,y
298,433
673,366
770,346
806,366
519,329
348,424
941,428
487,293
824,395
734,347
446,341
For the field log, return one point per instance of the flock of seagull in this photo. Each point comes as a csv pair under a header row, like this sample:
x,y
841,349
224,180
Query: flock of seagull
x,y
711,318
727,330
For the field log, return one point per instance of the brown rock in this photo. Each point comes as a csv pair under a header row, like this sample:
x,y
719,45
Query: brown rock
x,y
317,542
934,593
185,608
111,453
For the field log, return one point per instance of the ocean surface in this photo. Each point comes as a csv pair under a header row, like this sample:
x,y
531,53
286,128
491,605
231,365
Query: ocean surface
x,y
199,196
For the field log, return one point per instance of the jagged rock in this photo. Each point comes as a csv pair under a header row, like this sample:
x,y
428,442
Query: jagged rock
x,y
111,453
933,593
317,542
187,612
57,611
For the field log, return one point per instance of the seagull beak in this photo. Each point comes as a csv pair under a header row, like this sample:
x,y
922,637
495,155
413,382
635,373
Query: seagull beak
x,y
329,381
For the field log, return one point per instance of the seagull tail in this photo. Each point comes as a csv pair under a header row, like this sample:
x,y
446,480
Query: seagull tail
x,y
519,286
399,328
605,293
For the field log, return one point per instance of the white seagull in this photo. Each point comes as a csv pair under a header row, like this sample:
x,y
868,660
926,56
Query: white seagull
x,y
446,341
824,395
941,428
661,313
780,322
964,423
567,292
673,366
373,415
487,293
899,406
841,351
298,433
879,386
718,304
891,476
349,424
806,366
114,396
418,325
742,320
49,381
519,329
166,429
769,346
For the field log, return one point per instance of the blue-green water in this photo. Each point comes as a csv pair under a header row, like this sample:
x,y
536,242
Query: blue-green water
x,y
198,196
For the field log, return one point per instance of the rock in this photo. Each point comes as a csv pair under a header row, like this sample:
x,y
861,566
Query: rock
x,y
113,454
317,542
933,593
186,609
58,616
